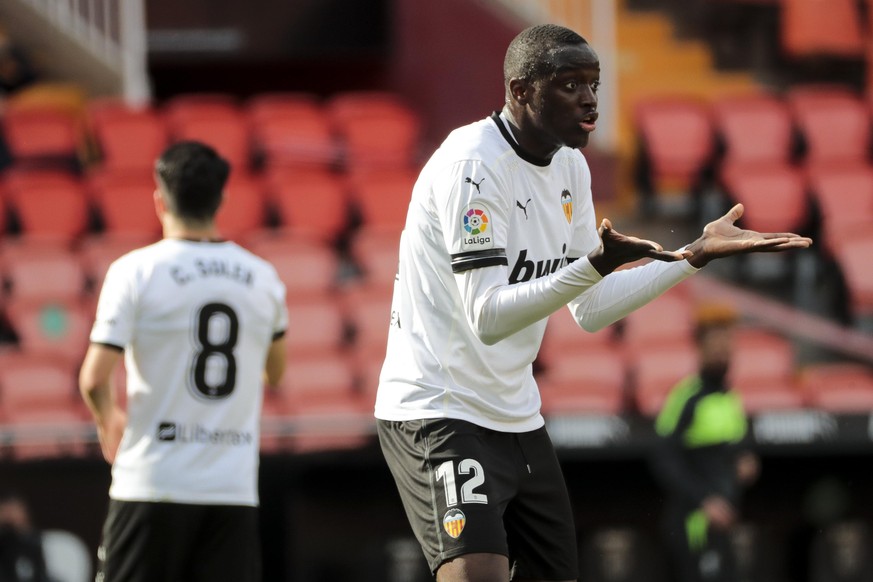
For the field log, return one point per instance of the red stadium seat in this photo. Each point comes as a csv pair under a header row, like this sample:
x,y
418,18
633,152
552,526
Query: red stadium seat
x,y
37,137
656,371
316,326
588,382
307,267
125,201
243,210
839,387
55,329
844,196
382,196
313,202
369,315
665,321
127,138
774,197
853,258
811,28
565,339
40,404
834,122
48,205
292,129
378,129
216,120
760,357
99,251
678,138
375,252
770,396
755,129
42,272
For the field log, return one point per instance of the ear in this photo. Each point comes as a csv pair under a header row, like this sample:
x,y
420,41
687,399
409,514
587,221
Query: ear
x,y
160,205
519,91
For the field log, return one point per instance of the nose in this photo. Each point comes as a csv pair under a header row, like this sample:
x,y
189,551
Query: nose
x,y
587,96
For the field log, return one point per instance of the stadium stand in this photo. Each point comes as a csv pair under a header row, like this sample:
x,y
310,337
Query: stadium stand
x,y
123,201
815,28
753,129
43,137
244,209
833,121
42,271
310,201
215,119
843,195
585,382
49,205
125,137
840,387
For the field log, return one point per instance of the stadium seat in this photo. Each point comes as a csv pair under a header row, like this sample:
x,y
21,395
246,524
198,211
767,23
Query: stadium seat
x,y
759,357
243,210
291,129
678,140
774,197
39,271
124,200
48,205
844,197
840,387
565,339
382,196
815,28
369,315
667,320
833,121
375,254
655,371
55,329
323,406
126,138
309,201
42,137
308,267
315,326
39,403
377,129
754,129
216,120
853,258
588,382
770,396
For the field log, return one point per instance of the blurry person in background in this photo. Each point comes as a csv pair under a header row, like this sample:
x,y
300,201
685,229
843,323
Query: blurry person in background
x,y
16,71
700,459
21,557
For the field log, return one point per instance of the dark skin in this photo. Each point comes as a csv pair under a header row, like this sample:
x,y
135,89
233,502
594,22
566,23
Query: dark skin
x,y
559,110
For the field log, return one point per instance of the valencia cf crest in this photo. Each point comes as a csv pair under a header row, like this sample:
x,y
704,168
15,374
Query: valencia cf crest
x,y
567,205
454,522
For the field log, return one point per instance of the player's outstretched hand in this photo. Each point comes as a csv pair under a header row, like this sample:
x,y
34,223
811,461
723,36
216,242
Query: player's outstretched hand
x,y
722,238
618,249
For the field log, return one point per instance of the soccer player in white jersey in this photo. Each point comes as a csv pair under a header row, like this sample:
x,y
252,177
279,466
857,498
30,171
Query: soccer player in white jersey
x,y
500,233
200,322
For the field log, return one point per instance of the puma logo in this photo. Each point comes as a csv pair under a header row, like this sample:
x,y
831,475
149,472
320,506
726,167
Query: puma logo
x,y
523,207
476,184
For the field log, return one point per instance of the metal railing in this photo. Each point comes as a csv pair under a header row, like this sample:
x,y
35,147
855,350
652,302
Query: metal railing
x,y
113,31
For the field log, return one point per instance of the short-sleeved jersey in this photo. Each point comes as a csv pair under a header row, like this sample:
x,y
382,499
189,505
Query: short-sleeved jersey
x,y
196,320
480,201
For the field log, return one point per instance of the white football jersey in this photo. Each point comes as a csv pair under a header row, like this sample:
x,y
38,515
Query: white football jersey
x,y
196,320
480,201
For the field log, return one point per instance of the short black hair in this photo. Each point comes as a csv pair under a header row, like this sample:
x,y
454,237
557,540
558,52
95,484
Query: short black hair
x,y
526,54
192,176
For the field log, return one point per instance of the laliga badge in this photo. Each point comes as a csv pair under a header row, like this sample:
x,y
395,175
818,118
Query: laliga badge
x,y
476,227
454,522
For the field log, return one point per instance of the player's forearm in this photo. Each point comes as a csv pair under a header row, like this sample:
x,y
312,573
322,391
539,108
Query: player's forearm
x,y
621,292
99,399
497,310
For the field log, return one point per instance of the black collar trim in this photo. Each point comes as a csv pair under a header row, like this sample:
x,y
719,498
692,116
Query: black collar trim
x,y
521,153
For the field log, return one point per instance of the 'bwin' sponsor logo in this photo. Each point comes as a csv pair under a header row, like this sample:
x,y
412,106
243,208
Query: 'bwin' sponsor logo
x,y
525,270
180,433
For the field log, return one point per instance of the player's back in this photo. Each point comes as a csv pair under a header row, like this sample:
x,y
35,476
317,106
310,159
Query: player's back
x,y
201,318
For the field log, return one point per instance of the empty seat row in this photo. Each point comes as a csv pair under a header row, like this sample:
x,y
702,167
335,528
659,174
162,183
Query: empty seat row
x,y
353,129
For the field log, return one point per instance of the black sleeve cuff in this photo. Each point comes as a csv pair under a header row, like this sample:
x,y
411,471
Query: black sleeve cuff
x,y
475,259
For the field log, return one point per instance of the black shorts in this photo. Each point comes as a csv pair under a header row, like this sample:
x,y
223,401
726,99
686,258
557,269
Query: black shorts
x,y
467,489
175,542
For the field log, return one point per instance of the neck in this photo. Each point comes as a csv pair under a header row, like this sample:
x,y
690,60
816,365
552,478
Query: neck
x,y
526,135
175,228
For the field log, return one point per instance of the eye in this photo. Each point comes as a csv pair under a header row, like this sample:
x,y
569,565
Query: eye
x,y
595,86
571,85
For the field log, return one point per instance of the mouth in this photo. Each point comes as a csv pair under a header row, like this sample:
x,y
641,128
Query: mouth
x,y
589,122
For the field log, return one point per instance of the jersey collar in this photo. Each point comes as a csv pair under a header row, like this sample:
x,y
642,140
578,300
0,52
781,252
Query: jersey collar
x,y
504,131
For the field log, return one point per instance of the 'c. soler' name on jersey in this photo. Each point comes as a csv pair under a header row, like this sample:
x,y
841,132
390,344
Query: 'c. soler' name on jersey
x,y
213,268
526,269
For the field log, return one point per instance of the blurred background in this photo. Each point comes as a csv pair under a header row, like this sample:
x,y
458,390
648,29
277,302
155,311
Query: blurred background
x,y
327,109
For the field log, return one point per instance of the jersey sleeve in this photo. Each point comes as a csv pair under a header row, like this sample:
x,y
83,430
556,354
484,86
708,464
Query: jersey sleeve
x,y
585,236
114,321
473,212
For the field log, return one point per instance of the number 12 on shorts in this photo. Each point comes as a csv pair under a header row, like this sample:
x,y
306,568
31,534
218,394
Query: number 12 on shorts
x,y
446,474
